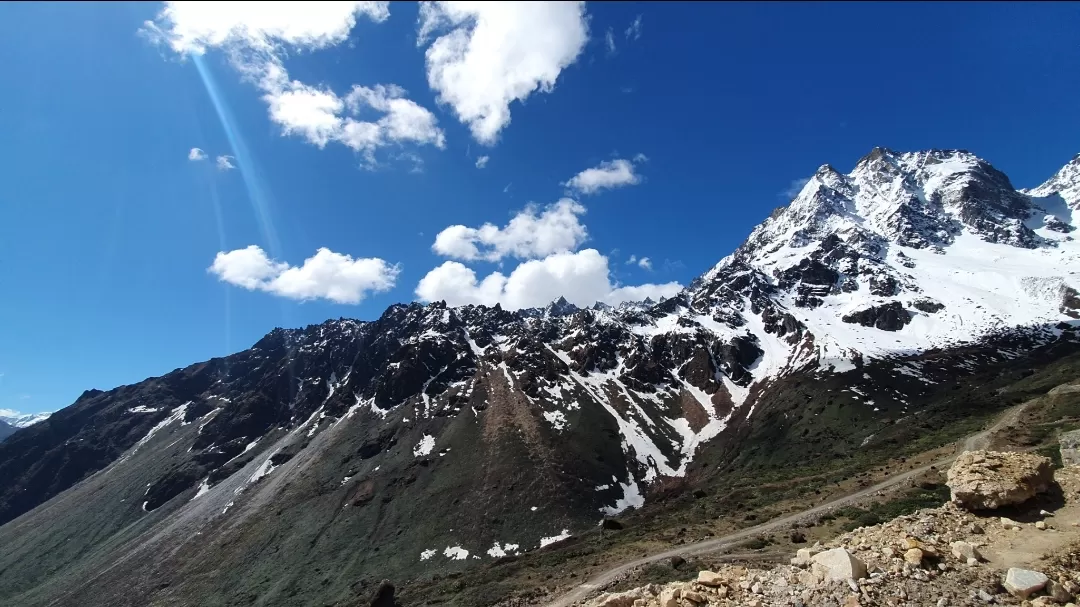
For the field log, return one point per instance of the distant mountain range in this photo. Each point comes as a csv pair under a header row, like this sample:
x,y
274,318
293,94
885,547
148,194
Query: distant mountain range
x,y
436,438
10,421
21,420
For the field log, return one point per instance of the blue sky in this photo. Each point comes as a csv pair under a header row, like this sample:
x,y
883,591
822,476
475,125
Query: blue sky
x,y
122,258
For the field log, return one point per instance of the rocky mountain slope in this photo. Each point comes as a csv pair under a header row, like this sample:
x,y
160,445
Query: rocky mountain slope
x,y
433,438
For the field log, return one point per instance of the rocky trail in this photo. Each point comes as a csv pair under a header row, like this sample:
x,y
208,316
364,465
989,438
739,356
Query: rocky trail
x,y
977,441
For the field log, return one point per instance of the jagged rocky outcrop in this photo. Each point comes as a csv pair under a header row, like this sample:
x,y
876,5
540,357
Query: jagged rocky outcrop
x,y
442,436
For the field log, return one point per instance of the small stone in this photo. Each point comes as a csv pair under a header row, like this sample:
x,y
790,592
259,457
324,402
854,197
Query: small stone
x,y
851,601
887,553
942,603
975,529
1040,525
694,597
1058,592
1022,583
913,556
965,550
1008,523
984,596
722,592
756,588
753,603
745,584
1045,513
669,597
942,567
709,578
972,562
806,578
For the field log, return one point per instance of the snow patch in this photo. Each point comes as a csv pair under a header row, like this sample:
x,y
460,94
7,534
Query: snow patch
x,y
557,419
425,446
547,541
632,498
456,553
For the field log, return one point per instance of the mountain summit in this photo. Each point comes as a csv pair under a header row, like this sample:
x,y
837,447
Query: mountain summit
x,y
436,437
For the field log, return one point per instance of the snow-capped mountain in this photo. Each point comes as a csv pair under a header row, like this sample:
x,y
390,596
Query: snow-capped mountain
x,y
21,420
438,434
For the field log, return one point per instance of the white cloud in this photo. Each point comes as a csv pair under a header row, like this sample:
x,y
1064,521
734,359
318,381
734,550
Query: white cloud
x,y
528,235
583,278
196,154
224,163
482,161
490,54
644,263
325,275
633,32
794,188
192,27
610,174
256,35
609,41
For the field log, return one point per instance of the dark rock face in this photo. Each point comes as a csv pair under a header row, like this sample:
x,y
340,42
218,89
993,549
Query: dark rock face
x,y
928,305
610,523
6,430
384,595
889,317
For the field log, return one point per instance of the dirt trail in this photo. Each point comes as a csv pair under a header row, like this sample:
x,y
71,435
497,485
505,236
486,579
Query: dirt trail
x,y
975,442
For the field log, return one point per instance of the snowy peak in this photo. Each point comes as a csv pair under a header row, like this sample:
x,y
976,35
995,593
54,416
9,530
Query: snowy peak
x,y
1059,197
21,420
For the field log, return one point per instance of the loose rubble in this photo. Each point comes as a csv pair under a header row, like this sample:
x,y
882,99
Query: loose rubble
x,y
932,557
985,480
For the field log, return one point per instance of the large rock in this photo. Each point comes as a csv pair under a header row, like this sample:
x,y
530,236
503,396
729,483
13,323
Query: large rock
x,y
984,480
839,564
710,578
1070,448
621,599
1022,583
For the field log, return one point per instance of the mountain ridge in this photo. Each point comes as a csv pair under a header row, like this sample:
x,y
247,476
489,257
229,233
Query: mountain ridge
x,y
533,424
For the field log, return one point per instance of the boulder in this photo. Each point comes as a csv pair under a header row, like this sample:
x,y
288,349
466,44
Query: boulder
x,y
1069,443
1022,583
710,578
839,564
985,480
